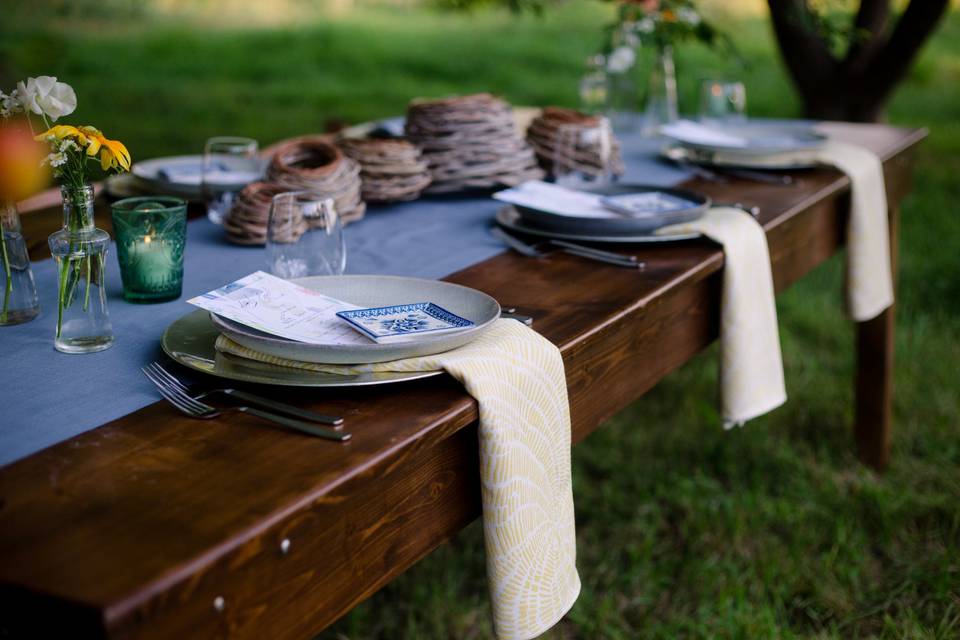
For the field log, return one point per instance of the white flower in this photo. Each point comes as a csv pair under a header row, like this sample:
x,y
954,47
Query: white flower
x,y
9,104
68,145
688,15
44,95
55,159
646,25
621,59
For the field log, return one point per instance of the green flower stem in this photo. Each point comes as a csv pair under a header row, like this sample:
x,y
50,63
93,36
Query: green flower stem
x,y
86,292
8,290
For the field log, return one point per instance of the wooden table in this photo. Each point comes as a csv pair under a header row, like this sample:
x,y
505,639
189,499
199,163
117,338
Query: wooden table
x,y
152,527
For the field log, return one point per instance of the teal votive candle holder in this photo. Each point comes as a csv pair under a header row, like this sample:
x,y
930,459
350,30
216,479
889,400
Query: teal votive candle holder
x,y
151,232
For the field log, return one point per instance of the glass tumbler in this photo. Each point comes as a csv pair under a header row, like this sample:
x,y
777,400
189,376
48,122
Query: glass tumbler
x,y
304,236
722,101
229,164
151,232
584,155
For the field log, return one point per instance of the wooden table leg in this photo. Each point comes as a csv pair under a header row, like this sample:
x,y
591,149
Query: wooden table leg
x,y
874,384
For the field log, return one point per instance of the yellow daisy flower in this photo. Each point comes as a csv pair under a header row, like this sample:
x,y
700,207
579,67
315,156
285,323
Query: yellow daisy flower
x,y
113,154
62,131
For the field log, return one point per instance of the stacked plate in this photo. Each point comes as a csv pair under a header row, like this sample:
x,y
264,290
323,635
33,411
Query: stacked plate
x,y
752,144
177,176
317,165
191,339
575,142
602,214
470,142
391,169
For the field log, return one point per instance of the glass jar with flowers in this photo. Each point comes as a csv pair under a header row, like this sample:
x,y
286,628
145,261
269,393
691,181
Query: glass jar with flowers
x,y
20,176
79,248
660,24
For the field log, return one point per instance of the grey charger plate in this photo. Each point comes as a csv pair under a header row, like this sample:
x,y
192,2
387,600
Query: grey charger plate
x,y
191,339
376,291
623,224
509,218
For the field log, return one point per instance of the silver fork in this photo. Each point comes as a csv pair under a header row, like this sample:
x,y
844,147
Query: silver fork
x,y
196,409
536,251
250,398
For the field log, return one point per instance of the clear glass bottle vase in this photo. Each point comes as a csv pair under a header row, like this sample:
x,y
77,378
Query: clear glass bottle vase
x,y
661,107
80,251
20,301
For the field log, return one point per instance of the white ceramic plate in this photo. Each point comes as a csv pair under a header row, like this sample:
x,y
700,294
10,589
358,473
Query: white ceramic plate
x,y
376,291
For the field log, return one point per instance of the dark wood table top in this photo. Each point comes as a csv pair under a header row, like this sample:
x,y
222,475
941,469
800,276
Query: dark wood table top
x,y
145,526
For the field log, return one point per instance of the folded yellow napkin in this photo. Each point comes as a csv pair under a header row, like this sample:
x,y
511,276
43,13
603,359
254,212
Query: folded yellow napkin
x,y
751,368
869,279
517,378
869,276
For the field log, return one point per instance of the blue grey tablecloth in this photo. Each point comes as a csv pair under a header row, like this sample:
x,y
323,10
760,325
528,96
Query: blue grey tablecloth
x,y
48,397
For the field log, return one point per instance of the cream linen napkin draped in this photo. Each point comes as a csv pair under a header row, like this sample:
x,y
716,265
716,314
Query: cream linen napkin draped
x,y
517,377
751,367
869,275
869,279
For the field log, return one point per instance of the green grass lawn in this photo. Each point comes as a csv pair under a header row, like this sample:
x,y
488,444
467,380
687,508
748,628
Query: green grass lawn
x,y
772,531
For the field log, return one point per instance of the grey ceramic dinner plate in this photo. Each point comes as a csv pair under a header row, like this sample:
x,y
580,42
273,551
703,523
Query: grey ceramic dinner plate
x,y
376,291
804,159
191,342
150,174
509,218
764,138
621,224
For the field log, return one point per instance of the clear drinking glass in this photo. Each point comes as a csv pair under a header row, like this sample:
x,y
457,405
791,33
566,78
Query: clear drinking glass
x,y
304,236
723,101
593,86
229,163
583,155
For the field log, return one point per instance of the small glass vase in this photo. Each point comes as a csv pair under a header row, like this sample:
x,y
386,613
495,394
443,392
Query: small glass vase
x,y
20,301
661,107
80,251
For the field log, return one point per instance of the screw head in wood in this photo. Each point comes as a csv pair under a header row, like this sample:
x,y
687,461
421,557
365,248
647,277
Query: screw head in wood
x,y
285,546
219,603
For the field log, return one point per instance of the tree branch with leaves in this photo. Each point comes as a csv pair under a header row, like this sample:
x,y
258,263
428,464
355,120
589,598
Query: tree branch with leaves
x,y
846,66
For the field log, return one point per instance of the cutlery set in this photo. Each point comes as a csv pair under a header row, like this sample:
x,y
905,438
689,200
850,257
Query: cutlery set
x,y
181,397
542,249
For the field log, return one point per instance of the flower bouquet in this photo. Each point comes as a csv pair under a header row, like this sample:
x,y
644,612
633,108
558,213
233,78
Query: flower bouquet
x,y
83,325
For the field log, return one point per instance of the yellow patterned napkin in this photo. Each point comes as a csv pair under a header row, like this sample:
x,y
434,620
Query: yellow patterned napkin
x,y
517,378
751,368
869,276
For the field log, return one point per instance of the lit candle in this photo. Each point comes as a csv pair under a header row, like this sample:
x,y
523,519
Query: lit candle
x,y
150,232
152,264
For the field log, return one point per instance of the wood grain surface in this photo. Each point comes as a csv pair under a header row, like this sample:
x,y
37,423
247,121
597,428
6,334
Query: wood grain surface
x,y
157,526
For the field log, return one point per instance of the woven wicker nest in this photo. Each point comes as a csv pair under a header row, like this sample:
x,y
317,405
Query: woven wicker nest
x,y
470,142
575,141
317,165
390,169
302,164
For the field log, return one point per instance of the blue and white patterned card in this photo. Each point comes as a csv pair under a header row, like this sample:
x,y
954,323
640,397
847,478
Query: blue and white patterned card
x,y
403,321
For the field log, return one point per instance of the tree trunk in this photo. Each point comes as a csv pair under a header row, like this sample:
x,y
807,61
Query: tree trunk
x,y
858,86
